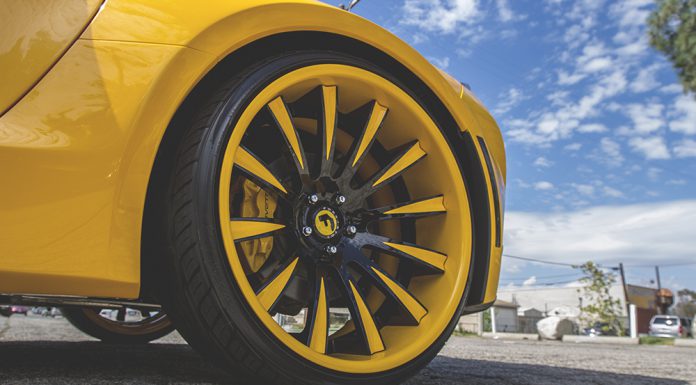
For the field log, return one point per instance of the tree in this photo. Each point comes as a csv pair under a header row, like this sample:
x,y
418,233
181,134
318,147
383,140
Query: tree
x,y
600,306
672,30
687,303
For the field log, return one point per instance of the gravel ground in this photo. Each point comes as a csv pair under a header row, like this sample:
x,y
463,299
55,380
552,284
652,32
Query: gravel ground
x,y
34,350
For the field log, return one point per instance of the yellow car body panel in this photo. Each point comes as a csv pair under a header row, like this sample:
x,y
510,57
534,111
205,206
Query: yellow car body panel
x,y
35,34
77,150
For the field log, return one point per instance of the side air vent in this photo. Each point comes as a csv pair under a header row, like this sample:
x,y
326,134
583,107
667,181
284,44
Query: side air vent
x,y
496,194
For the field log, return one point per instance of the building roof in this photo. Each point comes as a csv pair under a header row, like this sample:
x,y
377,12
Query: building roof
x,y
505,304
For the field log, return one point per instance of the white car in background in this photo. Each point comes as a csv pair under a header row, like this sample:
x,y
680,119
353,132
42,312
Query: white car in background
x,y
669,326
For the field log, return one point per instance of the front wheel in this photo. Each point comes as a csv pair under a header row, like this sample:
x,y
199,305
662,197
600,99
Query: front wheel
x,y
319,225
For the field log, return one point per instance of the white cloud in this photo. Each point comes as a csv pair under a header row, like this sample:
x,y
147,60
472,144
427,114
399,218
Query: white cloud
x,y
443,16
584,189
645,80
509,100
685,149
632,13
566,79
543,186
611,151
560,124
529,281
573,146
592,127
542,162
673,88
639,233
505,14
442,63
597,64
652,148
612,192
654,173
684,115
647,117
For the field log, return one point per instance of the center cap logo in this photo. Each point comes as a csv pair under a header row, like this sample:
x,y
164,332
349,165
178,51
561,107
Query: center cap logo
x,y
326,222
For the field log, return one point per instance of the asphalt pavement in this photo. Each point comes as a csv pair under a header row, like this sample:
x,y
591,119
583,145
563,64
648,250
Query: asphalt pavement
x,y
36,350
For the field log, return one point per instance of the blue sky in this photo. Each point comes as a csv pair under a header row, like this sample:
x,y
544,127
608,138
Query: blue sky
x,y
601,141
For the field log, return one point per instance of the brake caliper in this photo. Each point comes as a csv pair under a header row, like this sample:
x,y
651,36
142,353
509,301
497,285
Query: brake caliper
x,y
257,204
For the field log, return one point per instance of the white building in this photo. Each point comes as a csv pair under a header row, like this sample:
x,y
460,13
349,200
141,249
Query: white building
x,y
560,301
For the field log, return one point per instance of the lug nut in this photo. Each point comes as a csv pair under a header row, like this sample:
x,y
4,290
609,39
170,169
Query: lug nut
x,y
306,231
340,199
330,249
314,198
351,230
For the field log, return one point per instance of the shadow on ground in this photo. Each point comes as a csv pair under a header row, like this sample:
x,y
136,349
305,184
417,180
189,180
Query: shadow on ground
x,y
97,363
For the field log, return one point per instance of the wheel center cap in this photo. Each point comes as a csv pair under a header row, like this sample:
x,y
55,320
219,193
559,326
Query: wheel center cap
x,y
326,222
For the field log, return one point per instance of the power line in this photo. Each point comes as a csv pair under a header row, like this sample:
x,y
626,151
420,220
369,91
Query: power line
x,y
528,259
539,261
522,278
665,264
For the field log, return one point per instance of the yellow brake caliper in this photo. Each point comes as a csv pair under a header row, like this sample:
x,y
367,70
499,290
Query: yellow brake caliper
x,y
257,204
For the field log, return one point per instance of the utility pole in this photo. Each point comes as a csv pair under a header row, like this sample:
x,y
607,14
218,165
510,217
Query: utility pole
x,y
657,274
625,288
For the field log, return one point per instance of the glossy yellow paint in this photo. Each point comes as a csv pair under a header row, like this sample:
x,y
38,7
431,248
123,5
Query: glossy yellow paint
x,y
243,229
355,87
410,157
411,304
329,100
248,162
376,117
374,340
281,115
432,258
432,205
35,33
320,326
82,142
269,295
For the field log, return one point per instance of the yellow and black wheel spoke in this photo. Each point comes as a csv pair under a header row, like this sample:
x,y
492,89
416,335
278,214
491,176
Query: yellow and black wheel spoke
x,y
386,284
376,113
402,162
328,126
244,229
409,210
255,169
283,119
316,331
431,261
361,315
270,292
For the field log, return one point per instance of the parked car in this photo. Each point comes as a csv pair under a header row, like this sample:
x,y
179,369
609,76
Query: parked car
x,y
16,309
599,329
668,326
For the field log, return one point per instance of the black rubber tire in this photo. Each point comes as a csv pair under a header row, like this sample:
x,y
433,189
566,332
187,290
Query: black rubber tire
x,y
201,295
77,317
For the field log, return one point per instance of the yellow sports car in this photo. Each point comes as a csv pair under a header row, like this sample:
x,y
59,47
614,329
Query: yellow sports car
x,y
296,190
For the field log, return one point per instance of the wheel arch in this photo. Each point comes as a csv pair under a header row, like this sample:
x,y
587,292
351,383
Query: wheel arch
x,y
467,146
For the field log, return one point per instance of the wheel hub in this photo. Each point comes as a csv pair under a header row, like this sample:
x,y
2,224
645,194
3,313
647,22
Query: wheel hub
x,y
326,222
322,223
